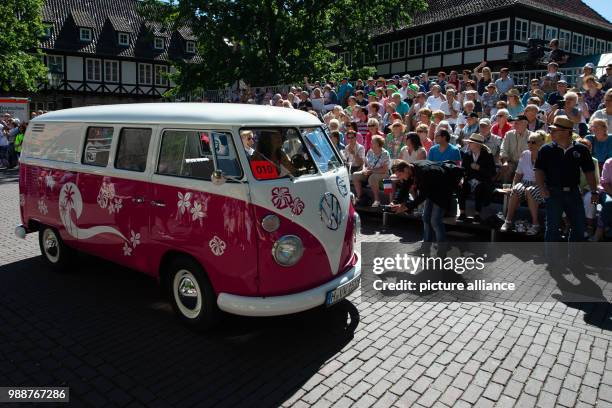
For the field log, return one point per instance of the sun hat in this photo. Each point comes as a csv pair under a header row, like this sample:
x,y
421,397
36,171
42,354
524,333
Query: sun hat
x,y
519,117
414,87
562,122
585,84
394,94
485,121
478,139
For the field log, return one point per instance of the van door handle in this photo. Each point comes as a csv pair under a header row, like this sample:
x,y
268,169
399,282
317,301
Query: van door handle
x,y
138,200
158,203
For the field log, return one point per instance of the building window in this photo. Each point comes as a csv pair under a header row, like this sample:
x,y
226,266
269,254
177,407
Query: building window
x,y
433,43
600,46
48,31
521,30
145,72
577,44
190,47
85,34
415,46
158,43
345,57
498,30
111,71
589,45
564,40
93,68
383,52
55,62
398,49
452,39
474,35
160,75
536,31
124,39
609,46
550,33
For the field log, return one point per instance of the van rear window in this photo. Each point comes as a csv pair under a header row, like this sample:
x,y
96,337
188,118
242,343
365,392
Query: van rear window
x,y
97,146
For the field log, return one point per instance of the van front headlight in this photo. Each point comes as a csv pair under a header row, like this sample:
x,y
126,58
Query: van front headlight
x,y
288,250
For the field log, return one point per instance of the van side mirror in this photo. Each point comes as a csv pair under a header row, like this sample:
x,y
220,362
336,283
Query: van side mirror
x,y
218,178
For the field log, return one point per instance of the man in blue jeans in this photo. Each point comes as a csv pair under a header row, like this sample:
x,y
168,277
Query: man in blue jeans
x,y
557,170
435,184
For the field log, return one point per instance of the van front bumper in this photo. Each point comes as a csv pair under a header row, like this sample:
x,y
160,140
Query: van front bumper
x,y
286,304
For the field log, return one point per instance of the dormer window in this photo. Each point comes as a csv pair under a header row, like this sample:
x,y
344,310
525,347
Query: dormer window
x,y
190,47
158,43
124,39
48,30
85,34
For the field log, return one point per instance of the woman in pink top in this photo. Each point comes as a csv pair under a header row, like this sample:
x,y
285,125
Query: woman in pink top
x,y
605,199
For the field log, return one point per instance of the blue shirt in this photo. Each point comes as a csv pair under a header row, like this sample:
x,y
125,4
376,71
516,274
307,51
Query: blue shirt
x,y
602,151
504,85
342,92
451,153
402,108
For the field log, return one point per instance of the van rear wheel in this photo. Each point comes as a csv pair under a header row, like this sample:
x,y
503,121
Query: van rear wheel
x,y
191,294
55,253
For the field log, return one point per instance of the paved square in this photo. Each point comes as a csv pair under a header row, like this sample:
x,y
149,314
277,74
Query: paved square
x,y
109,335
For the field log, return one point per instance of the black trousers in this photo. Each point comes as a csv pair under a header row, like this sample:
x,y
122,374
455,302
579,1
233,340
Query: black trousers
x,y
482,194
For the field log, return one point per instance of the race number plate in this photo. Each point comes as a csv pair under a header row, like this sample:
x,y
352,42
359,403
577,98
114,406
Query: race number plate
x,y
336,295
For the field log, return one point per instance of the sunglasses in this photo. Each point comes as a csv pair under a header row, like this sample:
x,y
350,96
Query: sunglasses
x,y
421,131
531,142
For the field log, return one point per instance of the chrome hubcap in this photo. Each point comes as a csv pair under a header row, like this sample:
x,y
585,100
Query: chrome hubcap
x,y
51,245
187,294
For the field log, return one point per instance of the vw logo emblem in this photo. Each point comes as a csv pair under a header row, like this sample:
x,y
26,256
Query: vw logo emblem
x,y
341,186
331,213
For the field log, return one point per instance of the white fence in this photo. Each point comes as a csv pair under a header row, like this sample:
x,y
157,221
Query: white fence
x,y
521,79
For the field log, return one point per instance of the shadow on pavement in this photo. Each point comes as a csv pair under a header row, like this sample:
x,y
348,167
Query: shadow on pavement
x,y
108,333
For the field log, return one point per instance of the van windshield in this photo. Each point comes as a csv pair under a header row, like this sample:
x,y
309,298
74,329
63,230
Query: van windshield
x,y
288,152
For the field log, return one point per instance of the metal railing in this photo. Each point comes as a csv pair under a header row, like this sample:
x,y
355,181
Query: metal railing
x,y
521,79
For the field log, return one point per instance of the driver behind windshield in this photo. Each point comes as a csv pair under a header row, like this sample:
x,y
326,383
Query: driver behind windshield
x,y
270,148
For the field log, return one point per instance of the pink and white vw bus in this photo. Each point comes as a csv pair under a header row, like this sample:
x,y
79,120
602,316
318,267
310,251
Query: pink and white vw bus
x,y
240,208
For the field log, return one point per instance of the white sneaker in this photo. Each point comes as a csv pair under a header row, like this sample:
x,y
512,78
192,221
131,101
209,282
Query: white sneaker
x,y
533,230
376,204
506,227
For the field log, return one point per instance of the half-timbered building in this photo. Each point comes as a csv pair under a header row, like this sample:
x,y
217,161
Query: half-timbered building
x,y
457,34
104,51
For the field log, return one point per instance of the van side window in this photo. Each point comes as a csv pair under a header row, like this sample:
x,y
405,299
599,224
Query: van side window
x,y
186,153
97,146
133,149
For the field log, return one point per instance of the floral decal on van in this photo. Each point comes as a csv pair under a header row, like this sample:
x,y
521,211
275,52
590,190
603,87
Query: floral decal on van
x,y
197,209
217,246
42,206
282,198
107,199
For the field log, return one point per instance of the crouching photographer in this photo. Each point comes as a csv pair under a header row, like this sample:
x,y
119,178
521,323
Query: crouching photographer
x,y
434,184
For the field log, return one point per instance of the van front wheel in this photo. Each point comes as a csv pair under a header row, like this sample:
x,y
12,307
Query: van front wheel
x,y
55,253
191,294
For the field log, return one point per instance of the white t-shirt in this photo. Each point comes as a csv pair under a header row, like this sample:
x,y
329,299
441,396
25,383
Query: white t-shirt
x,y
525,167
434,103
456,107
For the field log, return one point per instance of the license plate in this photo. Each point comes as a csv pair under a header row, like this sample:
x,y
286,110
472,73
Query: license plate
x,y
336,295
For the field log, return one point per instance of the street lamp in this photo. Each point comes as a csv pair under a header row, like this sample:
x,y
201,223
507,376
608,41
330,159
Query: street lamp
x,y
55,79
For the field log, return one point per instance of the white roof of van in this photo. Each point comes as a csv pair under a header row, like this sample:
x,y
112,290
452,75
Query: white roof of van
x,y
184,113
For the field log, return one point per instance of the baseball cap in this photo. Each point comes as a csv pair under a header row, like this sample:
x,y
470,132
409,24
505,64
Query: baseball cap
x,y
485,121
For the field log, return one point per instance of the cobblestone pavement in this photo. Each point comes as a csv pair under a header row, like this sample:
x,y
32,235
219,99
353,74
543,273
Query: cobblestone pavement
x,y
108,334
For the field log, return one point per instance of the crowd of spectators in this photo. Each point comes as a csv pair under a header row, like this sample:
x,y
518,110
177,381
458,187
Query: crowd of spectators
x,y
492,128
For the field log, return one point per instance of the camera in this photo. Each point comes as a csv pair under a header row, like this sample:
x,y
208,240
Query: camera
x,y
386,208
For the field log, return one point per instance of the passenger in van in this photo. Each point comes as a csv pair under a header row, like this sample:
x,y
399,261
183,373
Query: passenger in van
x,y
270,148
248,141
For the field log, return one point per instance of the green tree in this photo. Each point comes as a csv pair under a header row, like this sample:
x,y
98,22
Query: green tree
x,y
276,41
21,29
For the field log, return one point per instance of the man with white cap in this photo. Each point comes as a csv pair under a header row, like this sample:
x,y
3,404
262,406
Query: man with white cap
x,y
557,171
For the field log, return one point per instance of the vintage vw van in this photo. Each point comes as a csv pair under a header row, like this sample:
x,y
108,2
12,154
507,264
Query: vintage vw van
x,y
240,208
